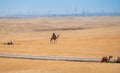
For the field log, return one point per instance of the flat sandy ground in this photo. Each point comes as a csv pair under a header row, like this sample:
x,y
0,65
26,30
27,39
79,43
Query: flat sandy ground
x,y
100,37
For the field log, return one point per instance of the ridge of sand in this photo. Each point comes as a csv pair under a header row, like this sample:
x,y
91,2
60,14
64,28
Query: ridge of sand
x,y
102,40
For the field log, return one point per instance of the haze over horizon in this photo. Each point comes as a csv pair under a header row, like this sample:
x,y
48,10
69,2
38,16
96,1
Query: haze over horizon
x,y
41,7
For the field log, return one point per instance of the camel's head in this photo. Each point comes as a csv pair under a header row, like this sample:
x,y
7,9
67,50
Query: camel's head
x,y
110,57
58,35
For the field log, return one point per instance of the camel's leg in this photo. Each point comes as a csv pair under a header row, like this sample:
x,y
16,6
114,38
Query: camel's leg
x,y
53,41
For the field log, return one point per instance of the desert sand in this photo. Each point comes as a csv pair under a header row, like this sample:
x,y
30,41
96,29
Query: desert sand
x,y
100,36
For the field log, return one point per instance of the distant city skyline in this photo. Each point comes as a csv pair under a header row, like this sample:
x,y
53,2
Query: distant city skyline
x,y
47,7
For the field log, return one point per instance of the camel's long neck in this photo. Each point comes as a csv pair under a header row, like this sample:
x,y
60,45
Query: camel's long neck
x,y
57,36
109,58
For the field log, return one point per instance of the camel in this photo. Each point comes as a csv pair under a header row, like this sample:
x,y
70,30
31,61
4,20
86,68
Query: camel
x,y
9,43
106,59
54,37
118,60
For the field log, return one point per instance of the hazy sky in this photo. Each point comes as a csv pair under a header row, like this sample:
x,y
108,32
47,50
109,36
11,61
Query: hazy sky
x,y
9,7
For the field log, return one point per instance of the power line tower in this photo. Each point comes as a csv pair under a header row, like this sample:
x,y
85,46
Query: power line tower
x,y
83,12
101,13
75,11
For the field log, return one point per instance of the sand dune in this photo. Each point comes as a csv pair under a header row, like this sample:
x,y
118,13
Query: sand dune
x,y
102,39
41,66
32,24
